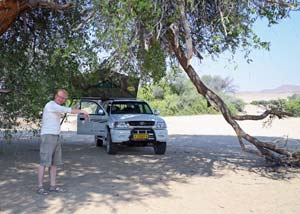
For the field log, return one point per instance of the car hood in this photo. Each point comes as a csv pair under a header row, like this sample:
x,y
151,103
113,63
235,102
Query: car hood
x,y
135,117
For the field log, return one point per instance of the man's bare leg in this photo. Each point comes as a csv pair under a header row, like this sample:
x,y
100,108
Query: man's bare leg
x,y
53,170
41,170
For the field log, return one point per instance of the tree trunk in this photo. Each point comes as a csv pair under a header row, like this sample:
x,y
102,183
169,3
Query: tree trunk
x,y
11,9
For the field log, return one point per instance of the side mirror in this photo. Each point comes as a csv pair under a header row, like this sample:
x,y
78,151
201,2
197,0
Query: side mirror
x,y
156,112
101,112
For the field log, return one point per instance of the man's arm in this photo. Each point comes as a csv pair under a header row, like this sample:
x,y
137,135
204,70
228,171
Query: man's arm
x,y
79,111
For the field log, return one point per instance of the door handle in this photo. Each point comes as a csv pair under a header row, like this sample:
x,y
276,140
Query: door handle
x,y
81,118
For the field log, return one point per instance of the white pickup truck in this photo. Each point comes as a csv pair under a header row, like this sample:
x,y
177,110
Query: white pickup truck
x,y
116,122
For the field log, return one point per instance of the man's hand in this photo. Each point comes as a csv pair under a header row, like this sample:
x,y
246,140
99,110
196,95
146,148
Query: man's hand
x,y
86,116
79,111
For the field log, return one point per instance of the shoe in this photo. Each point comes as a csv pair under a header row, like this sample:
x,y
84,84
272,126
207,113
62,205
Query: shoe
x,y
42,191
57,189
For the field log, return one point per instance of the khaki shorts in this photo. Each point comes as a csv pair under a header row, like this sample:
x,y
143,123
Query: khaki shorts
x,y
50,150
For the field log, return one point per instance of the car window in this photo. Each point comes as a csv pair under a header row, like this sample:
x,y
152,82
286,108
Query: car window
x,y
104,105
89,107
130,108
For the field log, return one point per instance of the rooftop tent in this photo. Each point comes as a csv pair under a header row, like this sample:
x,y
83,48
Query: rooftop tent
x,y
107,85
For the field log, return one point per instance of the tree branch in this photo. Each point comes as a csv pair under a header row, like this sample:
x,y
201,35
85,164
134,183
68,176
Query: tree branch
x,y
33,4
279,114
85,20
187,30
222,21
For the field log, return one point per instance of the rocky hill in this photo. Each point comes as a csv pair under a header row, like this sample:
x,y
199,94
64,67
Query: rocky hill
x,y
280,92
283,89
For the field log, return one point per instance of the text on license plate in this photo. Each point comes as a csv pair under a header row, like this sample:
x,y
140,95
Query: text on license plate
x,y
140,136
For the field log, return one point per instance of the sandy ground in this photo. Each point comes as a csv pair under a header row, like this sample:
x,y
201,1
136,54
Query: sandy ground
x,y
203,171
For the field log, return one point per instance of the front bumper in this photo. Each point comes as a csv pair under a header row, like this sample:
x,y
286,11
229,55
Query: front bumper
x,y
126,135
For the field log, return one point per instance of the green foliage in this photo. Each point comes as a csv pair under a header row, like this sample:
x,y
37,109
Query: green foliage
x,y
278,104
172,104
259,102
294,97
181,98
153,63
235,105
158,92
39,59
219,84
291,104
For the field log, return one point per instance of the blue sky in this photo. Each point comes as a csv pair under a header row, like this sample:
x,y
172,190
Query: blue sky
x,y
269,69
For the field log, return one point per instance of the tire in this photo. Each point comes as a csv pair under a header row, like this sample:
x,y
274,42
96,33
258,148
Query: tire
x,y
98,142
160,148
111,148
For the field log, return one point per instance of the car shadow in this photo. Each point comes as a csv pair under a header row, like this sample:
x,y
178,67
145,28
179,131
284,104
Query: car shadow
x,y
92,176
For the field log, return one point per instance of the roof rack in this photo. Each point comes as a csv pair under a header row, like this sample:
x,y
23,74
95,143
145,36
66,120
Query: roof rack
x,y
91,98
121,98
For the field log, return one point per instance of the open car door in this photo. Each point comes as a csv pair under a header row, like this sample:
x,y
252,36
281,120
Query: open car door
x,y
96,125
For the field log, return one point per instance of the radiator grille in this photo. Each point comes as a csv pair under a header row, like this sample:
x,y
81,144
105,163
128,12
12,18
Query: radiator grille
x,y
141,123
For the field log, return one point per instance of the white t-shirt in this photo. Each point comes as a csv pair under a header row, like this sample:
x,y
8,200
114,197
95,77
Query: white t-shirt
x,y
51,117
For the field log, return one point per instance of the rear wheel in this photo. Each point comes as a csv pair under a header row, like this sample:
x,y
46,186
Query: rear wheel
x,y
98,142
111,148
160,148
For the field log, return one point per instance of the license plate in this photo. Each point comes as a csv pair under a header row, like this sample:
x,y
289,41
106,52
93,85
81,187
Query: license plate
x,y
140,136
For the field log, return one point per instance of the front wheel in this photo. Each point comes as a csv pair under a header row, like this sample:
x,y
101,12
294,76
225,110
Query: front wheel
x,y
160,148
111,148
98,142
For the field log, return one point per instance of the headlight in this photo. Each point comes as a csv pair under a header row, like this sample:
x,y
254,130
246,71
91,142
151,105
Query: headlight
x,y
120,124
161,125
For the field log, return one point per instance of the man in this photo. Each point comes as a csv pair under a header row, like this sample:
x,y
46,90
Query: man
x,y
50,148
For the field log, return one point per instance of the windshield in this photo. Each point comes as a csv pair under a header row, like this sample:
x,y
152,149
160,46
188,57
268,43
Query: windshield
x,y
130,108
